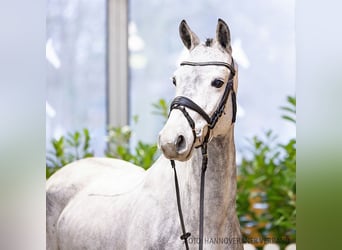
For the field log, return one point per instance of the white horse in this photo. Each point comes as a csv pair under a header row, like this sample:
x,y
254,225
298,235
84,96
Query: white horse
x,y
100,203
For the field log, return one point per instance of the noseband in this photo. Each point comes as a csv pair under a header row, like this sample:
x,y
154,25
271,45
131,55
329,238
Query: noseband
x,y
181,103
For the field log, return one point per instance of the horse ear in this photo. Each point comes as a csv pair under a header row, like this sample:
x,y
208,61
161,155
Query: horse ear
x,y
188,37
223,35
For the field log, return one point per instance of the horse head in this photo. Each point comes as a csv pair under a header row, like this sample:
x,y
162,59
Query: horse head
x,y
206,83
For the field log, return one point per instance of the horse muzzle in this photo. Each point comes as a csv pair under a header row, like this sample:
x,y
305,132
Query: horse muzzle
x,y
176,140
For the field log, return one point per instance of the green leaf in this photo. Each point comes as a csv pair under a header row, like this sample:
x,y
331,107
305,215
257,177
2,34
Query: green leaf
x,y
161,108
135,119
291,110
292,100
259,179
288,118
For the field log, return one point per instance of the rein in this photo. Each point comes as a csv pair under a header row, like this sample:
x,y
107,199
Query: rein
x,y
181,103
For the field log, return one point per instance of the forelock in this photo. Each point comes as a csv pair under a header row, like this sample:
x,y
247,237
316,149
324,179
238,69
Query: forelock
x,y
209,42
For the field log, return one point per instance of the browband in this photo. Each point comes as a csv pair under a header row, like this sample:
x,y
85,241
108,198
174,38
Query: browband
x,y
214,63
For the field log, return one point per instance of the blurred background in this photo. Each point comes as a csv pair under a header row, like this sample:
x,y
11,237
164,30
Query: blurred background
x,y
318,40
85,52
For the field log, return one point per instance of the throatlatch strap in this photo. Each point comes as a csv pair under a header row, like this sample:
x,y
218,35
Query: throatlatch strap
x,y
185,234
234,106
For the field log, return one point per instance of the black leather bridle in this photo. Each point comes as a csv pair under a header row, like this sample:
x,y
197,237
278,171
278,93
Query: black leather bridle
x,y
181,103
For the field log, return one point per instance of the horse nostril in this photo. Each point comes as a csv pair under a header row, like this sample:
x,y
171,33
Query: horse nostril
x,y
180,144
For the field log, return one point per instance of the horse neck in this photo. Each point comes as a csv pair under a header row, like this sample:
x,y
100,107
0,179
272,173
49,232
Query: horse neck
x,y
220,181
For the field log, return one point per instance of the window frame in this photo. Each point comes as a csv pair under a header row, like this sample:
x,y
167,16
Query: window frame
x,y
117,63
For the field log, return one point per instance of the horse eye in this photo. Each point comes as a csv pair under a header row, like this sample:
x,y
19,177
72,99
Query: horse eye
x,y
217,83
174,81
